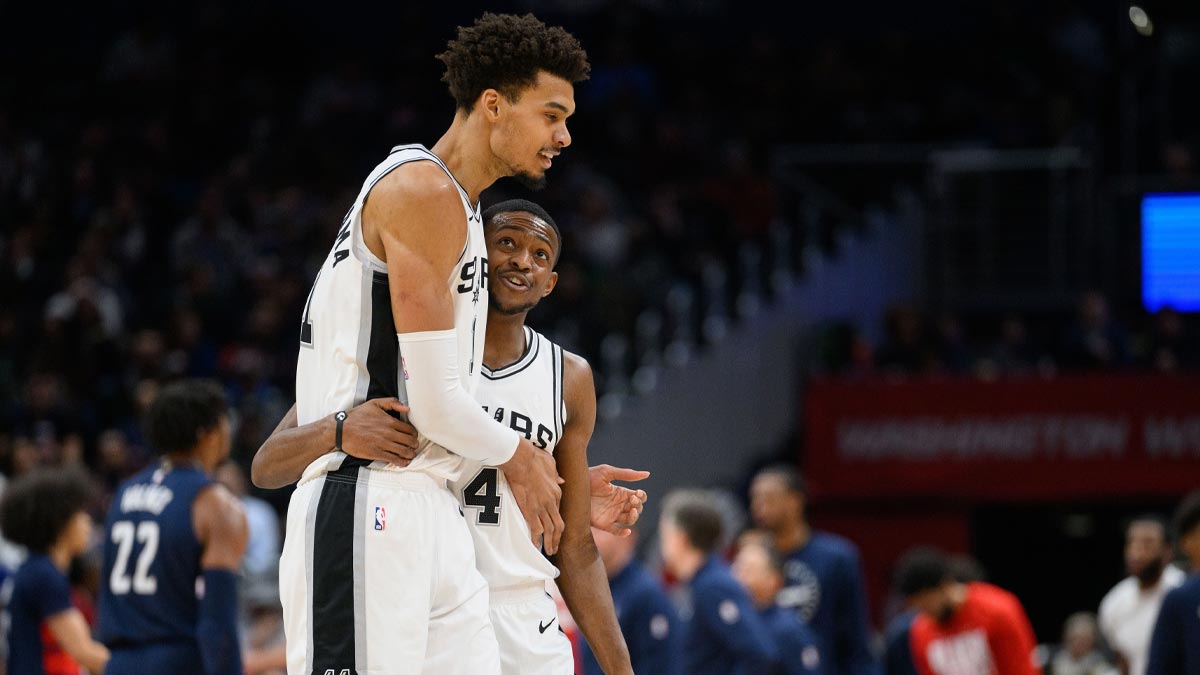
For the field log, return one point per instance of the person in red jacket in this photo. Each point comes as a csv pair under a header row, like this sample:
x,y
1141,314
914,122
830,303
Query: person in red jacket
x,y
963,628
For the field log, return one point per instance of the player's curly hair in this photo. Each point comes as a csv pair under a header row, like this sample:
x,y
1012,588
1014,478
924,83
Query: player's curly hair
x,y
37,507
505,52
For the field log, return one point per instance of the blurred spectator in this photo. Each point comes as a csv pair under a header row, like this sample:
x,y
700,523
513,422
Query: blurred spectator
x,y
824,579
1175,643
759,569
898,656
1014,353
906,350
723,634
1128,611
973,628
648,621
1096,340
1169,349
1080,652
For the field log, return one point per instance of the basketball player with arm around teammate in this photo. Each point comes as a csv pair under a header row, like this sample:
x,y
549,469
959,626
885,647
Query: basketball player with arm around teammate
x,y
547,396
378,568
170,527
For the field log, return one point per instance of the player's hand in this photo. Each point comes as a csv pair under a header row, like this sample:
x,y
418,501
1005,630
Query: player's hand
x,y
534,481
615,509
370,432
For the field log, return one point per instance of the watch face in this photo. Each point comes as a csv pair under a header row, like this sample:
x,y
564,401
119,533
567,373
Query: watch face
x,y
341,415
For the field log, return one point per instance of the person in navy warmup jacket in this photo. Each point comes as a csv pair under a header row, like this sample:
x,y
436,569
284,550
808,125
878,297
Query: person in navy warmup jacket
x,y
647,617
759,569
825,585
1175,644
172,531
723,634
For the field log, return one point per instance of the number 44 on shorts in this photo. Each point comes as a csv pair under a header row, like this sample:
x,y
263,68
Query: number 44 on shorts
x,y
330,671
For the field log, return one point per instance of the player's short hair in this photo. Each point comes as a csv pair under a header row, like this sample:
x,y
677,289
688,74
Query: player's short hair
x,y
506,52
513,205
1187,515
774,558
695,515
1152,519
791,476
182,413
37,507
921,569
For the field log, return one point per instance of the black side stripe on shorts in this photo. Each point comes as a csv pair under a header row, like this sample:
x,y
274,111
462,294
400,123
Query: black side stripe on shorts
x,y
333,574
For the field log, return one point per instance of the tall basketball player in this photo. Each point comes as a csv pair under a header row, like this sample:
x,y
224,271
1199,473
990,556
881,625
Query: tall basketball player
x,y
547,396
378,568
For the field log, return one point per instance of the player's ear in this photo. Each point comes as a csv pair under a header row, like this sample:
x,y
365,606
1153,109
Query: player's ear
x,y
489,104
550,284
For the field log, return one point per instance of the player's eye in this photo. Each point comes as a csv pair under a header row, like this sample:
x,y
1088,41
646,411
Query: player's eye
x,y
552,117
506,242
543,254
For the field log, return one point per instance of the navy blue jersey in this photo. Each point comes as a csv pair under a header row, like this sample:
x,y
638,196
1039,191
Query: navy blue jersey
x,y
825,587
1175,645
898,657
723,633
39,591
798,651
148,591
648,622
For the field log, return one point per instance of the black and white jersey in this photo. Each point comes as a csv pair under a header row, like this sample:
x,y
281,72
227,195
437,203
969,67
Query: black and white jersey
x,y
348,347
527,396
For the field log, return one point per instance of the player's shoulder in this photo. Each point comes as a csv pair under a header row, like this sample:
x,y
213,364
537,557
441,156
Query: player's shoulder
x,y
219,509
415,183
1187,592
834,544
575,366
1119,595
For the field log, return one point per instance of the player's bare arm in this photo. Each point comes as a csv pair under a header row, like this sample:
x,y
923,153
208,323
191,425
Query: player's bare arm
x,y
583,581
71,631
412,221
220,525
368,432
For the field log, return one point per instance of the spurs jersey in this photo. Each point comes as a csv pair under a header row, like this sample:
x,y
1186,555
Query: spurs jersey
x,y
348,347
528,397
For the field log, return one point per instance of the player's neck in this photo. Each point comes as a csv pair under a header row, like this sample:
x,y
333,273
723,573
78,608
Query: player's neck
x,y
465,151
793,536
505,340
60,556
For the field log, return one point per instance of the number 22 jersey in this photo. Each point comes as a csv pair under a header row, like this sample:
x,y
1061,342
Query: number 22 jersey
x,y
148,587
527,396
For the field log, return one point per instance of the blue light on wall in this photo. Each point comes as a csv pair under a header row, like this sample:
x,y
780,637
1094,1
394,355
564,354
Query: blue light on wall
x,y
1171,251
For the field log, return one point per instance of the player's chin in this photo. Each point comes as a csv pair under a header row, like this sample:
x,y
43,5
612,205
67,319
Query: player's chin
x,y
532,180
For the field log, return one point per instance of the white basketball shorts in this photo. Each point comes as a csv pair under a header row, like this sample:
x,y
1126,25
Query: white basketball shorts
x,y
378,577
531,640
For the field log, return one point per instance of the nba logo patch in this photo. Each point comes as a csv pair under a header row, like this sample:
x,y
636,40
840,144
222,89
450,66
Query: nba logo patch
x,y
380,517
404,368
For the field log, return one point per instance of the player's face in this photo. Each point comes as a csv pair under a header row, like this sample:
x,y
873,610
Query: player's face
x,y
521,253
530,131
934,603
752,568
1145,550
78,535
771,503
672,541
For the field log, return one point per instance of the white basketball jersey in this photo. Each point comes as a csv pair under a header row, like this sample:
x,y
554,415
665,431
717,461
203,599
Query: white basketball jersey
x,y
348,347
528,397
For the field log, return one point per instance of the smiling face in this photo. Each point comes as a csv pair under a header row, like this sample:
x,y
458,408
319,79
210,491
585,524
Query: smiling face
x,y
522,250
531,129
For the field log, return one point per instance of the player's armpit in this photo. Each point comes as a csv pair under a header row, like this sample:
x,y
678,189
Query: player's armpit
x,y
220,525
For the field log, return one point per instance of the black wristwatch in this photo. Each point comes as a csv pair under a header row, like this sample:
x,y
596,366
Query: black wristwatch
x,y
337,438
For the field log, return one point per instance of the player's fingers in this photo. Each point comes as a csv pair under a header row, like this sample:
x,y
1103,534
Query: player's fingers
x,y
535,531
405,445
627,475
552,523
391,404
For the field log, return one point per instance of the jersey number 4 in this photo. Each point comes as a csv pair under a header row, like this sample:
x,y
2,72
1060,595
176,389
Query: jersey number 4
x,y
483,493
123,535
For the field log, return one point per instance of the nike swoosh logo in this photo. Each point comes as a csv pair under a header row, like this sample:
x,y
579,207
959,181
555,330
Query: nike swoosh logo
x,y
542,629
